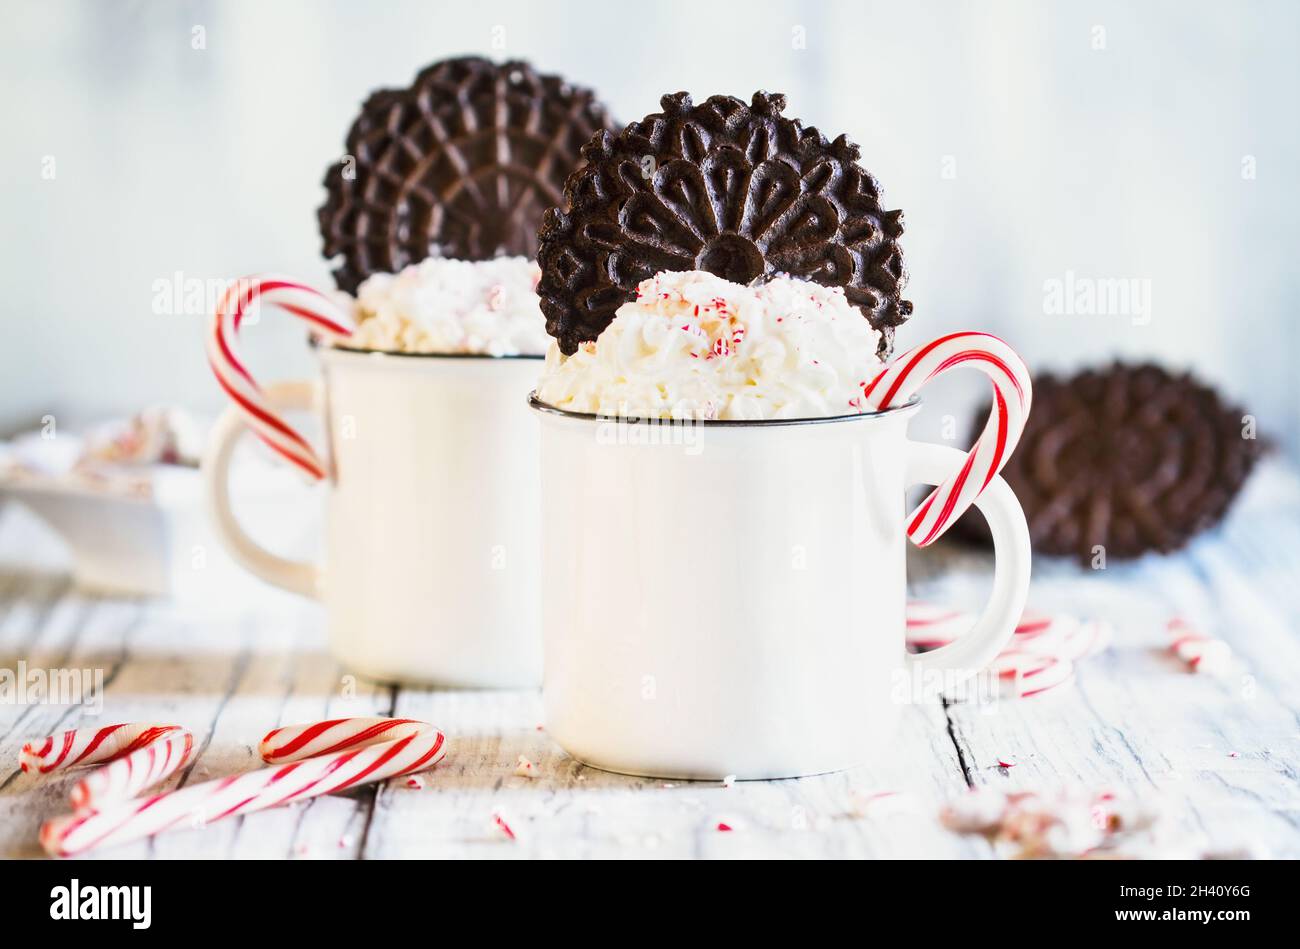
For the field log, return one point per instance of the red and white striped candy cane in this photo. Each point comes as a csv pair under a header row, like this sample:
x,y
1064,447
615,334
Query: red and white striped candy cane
x,y
295,742
1201,652
1063,636
325,318
134,756
929,625
1028,674
1042,652
125,777
87,746
1012,395
201,804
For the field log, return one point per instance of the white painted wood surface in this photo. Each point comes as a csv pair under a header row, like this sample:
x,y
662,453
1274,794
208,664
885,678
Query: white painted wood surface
x,y
1222,755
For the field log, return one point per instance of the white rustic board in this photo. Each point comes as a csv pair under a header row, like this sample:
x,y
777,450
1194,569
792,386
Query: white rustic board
x,y
1221,754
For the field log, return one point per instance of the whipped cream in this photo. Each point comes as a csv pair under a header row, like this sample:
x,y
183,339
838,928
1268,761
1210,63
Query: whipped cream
x,y
483,307
695,346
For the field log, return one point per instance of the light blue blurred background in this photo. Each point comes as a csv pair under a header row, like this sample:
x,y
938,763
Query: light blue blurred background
x,y
1154,141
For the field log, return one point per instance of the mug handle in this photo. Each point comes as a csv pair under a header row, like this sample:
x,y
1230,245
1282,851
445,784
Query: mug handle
x,y
965,479
259,410
958,661
292,575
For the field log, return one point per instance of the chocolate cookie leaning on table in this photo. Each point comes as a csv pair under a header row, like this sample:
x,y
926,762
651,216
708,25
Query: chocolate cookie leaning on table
x,y
1128,458
737,190
461,164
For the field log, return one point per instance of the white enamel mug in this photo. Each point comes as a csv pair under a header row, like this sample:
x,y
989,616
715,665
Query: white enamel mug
x,y
727,598
431,570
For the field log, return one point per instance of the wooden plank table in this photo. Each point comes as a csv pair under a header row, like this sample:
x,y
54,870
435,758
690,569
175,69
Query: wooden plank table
x,y
1220,754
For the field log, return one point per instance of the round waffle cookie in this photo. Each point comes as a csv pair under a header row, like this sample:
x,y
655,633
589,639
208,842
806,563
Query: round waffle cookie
x,y
737,190
1128,458
461,164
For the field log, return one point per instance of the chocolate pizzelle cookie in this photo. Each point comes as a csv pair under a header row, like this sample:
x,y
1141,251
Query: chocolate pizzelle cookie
x,y
1130,458
737,190
461,164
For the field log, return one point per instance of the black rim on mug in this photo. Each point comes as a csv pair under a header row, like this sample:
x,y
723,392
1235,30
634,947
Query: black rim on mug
x,y
537,405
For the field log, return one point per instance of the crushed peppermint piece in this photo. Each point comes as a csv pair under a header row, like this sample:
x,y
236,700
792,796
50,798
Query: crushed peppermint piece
x,y
1072,823
881,804
525,768
502,826
1202,653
